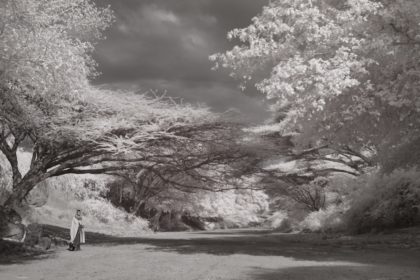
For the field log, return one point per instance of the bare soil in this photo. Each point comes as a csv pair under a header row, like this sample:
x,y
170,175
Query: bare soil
x,y
232,254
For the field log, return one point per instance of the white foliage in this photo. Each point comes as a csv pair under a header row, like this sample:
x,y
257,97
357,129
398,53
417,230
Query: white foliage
x,y
68,193
330,218
278,219
347,70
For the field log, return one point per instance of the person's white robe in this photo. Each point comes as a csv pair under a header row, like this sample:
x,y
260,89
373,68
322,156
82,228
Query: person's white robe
x,y
73,230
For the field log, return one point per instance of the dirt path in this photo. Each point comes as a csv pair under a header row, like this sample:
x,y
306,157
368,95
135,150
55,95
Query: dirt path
x,y
219,255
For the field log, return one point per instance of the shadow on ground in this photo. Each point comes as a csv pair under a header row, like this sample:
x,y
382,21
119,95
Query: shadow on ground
x,y
330,272
282,245
15,253
253,243
311,247
235,232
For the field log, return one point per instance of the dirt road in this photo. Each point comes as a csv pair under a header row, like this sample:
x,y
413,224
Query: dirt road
x,y
238,255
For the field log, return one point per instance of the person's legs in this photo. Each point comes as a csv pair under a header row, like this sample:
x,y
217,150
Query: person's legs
x,y
76,242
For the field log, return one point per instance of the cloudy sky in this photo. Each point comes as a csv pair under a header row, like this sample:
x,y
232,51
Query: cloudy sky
x,y
165,44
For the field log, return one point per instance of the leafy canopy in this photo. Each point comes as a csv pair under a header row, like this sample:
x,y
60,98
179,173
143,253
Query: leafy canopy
x,y
49,107
345,73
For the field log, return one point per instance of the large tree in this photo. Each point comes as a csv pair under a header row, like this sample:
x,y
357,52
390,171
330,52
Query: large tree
x,y
210,157
48,107
345,72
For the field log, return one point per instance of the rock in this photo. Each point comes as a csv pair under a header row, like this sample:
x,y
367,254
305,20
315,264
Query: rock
x,y
11,226
33,234
58,241
38,236
44,243
14,232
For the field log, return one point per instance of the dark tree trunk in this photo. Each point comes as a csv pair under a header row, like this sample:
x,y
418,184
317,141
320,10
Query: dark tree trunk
x,y
17,177
11,210
22,188
137,207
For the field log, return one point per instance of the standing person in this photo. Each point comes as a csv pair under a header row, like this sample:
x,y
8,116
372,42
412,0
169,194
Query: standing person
x,y
77,233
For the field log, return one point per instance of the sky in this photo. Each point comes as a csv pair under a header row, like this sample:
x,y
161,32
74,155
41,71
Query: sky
x,y
165,45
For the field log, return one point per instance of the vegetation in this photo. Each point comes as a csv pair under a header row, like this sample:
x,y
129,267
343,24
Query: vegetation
x,y
340,151
69,126
342,80
385,202
50,110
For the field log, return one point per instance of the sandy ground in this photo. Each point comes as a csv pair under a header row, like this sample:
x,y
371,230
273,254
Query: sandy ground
x,y
238,255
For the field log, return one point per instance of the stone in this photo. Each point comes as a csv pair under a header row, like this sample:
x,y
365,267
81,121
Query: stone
x,y
38,236
58,241
14,232
33,234
44,243
11,226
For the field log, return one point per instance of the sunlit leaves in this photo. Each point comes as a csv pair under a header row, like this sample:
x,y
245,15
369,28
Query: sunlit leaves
x,y
46,45
307,48
341,70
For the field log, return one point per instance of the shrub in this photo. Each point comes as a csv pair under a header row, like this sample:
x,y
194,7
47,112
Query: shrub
x,y
311,195
329,219
385,201
70,192
279,221
237,208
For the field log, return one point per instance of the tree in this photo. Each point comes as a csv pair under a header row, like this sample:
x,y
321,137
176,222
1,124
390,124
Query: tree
x,y
48,106
121,131
46,47
211,158
345,73
312,195
45,65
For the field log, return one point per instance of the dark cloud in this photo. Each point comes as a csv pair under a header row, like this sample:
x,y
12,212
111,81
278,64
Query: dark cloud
x,y
165,45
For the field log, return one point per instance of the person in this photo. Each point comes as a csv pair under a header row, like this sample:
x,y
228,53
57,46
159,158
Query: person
x,y
77,233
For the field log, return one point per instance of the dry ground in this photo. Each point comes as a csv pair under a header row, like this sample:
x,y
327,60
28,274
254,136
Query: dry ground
x,y
235,254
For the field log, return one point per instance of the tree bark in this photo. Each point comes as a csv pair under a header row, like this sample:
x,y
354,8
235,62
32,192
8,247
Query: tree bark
x,y
21,189
137,207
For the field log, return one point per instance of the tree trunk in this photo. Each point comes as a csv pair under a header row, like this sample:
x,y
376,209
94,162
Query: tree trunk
x,y
11,210
13,161
142,200
21,189
17,177
156,221
137,207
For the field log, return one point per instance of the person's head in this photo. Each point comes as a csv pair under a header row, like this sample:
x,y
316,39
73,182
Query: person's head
x,y
78,213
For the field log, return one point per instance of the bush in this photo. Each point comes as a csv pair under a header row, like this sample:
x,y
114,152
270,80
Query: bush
x,y
385,201
311,195
70,192
324,220
279,221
